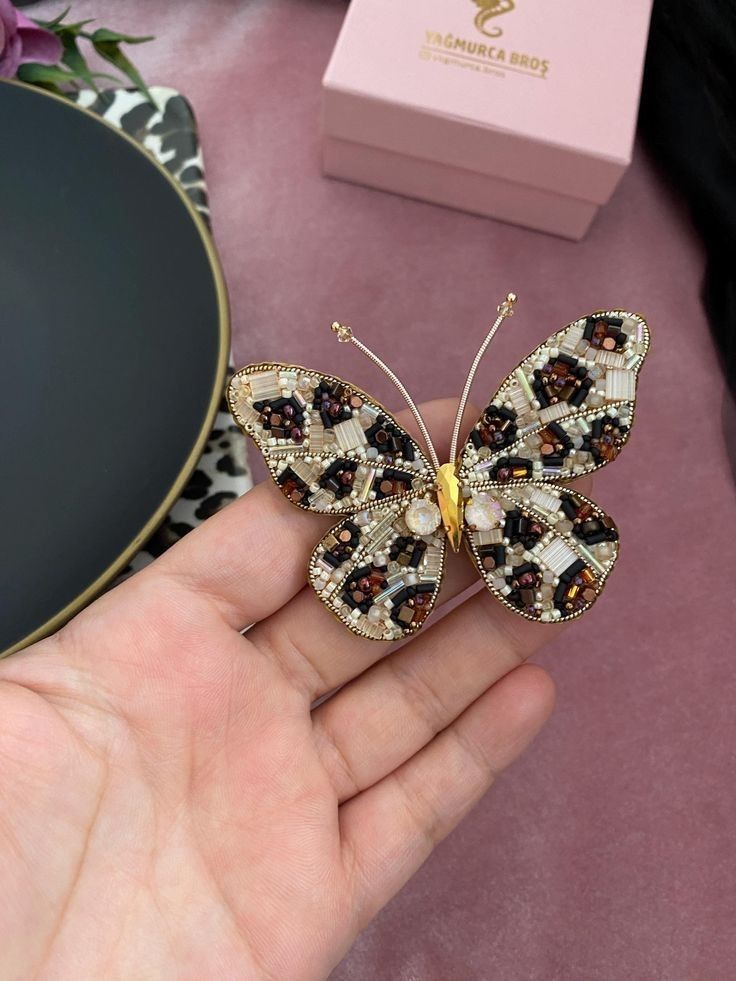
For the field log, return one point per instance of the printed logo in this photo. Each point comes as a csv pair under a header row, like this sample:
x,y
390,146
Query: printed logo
x,y
491,58
489,9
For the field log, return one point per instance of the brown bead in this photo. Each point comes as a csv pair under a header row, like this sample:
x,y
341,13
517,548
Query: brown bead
x,y
344,535
347,477
406,614
386,487
609,344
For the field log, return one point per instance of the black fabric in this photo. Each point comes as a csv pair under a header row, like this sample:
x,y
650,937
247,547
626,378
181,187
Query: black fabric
x,y
688,116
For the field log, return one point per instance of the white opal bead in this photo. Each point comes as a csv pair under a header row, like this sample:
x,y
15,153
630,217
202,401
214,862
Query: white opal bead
x,y
484,513
422,517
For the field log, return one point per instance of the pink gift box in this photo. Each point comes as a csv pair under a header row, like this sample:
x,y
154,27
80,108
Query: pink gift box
x,y
523,111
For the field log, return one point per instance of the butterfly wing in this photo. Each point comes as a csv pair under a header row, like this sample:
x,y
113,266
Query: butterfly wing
x,y
328,446
567,410
544,551
377,576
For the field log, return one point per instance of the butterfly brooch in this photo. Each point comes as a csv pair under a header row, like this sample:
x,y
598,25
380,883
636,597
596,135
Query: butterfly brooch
x,y
542,548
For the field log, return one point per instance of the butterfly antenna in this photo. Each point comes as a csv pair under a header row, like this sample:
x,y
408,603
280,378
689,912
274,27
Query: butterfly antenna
x,y
345,334
505,309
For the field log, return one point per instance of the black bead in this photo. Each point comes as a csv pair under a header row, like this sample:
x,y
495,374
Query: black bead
x,y
578,396
596,538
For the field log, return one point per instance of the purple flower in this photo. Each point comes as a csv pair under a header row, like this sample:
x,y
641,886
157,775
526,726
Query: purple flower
x,y
21,40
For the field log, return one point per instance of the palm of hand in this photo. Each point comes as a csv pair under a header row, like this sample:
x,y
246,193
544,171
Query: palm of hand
x,y
173,806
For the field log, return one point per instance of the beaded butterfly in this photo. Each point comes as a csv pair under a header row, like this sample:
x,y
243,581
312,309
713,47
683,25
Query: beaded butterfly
x,y
543,549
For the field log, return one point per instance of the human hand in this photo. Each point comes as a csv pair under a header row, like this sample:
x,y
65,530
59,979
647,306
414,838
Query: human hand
x,y
173,807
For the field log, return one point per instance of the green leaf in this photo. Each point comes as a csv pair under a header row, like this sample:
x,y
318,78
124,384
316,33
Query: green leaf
x,y
48,87
110,51
102,34
110,78
76,62
51,24
75,28
44,75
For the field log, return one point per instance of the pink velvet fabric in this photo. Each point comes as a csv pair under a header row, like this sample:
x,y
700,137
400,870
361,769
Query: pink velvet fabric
x,y
608,851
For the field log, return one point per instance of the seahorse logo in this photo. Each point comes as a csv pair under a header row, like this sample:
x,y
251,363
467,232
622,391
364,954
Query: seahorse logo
x,y
489,9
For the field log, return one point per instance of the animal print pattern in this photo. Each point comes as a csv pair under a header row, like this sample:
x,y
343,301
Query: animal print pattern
x,y
169,132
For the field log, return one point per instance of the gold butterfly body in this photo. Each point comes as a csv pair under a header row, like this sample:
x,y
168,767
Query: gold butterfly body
x,y
541,548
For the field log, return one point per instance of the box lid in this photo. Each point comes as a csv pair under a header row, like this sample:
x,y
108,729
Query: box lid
x,y
538,93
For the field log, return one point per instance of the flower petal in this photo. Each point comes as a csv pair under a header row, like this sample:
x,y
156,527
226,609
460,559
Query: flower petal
x,y
37,44
10,57
8,23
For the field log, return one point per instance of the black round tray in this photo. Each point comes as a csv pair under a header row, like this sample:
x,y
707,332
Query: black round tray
x,y
113,348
